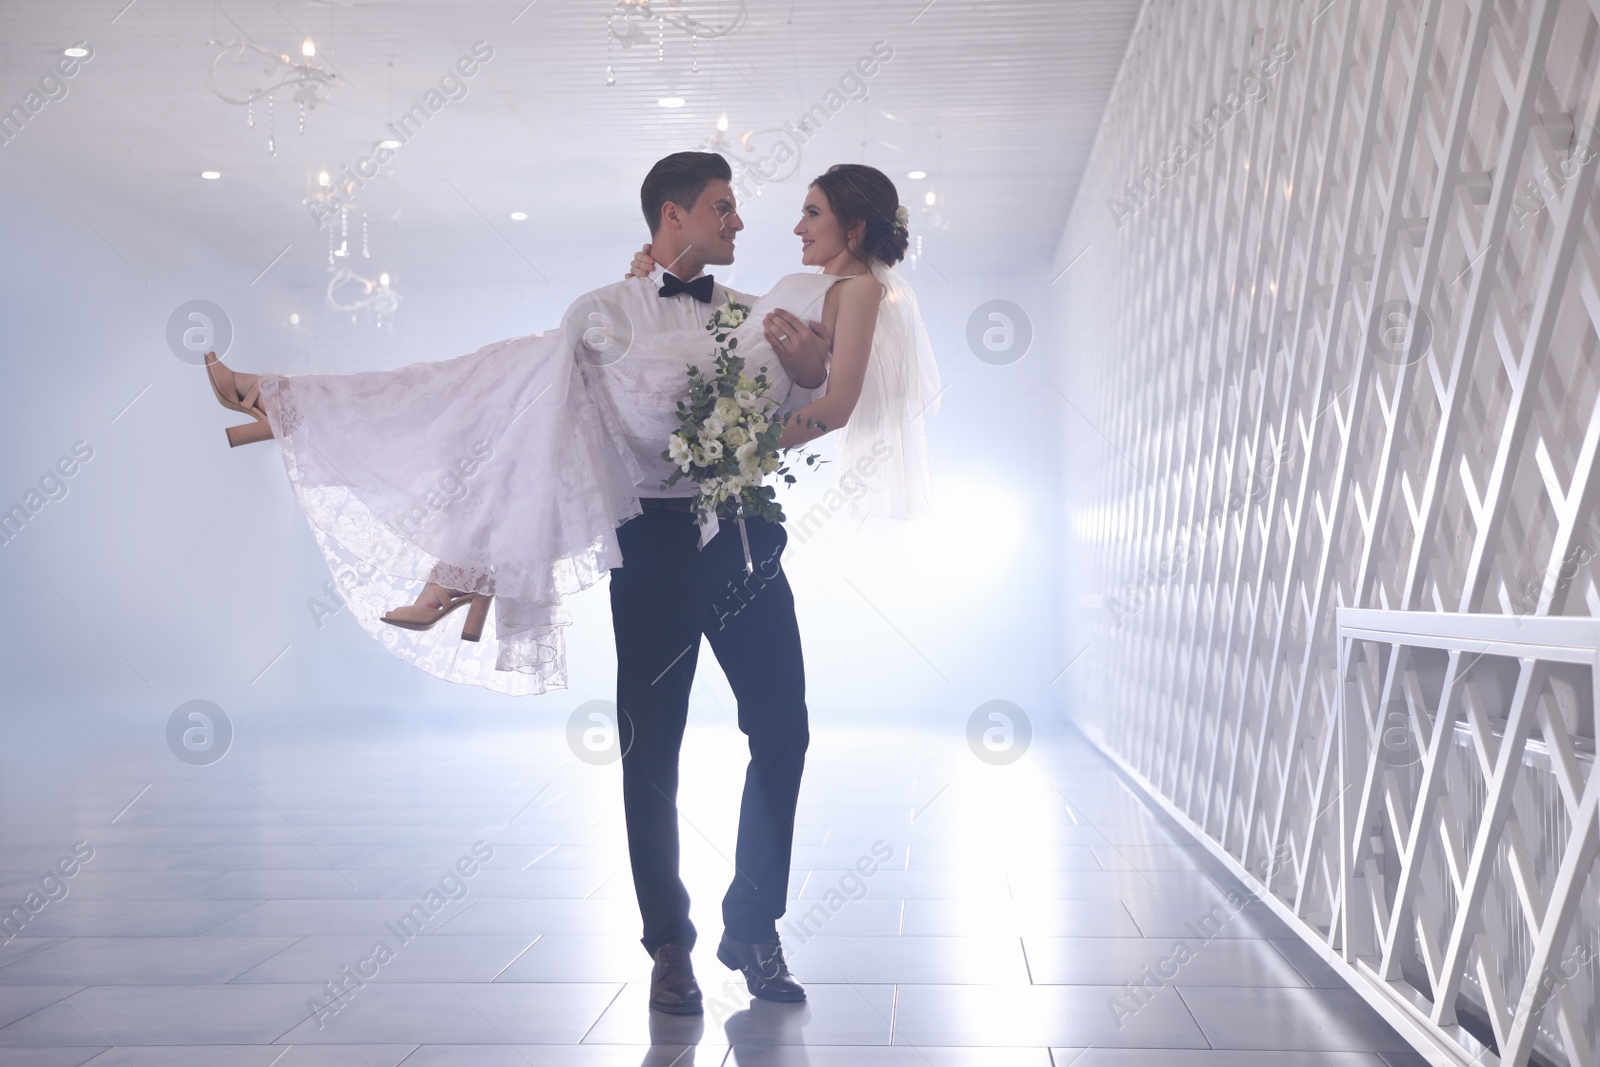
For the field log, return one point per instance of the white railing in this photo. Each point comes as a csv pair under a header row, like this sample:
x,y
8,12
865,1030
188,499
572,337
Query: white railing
x,y
1468,822
1332,313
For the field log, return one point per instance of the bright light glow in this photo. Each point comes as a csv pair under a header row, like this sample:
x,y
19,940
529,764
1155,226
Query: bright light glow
x,y
308,49
722,123
211,175
917,175
390,143
294,318
323,180
672,101
75,52
383,279
519,216
930,199
971,545
984,531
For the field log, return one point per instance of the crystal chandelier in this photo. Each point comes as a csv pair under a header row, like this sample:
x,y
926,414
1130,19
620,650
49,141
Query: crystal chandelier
x,y
362,297
930,218
756,156
637,22
305,80
375,301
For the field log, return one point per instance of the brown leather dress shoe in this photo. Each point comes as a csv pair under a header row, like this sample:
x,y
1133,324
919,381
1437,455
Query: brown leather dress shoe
x,y
765,972
672,985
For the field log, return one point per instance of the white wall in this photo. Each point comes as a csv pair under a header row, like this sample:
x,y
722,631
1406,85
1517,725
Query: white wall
x,y
1336,511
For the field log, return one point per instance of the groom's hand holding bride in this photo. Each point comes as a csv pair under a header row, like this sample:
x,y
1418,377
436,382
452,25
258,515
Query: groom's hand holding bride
x,y
804,348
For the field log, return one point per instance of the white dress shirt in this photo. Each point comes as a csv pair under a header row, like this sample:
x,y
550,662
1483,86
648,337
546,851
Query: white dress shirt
x,y
636,358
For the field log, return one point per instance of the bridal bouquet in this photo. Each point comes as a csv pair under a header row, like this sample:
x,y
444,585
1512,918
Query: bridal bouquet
x,y
727,441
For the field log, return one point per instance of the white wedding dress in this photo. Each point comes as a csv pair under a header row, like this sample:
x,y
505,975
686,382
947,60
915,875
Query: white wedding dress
x,y
507,472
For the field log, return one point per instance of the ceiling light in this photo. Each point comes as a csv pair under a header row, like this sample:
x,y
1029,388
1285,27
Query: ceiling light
x,y
722,123
211,175
672,101
519,216
308,49
75,52
323,179
383,279
931,199
390,143
294,318
917,175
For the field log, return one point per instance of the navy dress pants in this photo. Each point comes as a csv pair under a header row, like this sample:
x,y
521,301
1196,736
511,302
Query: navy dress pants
x,y
667,595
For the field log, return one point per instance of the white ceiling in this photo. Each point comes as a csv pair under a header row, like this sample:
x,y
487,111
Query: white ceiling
x,y
998,100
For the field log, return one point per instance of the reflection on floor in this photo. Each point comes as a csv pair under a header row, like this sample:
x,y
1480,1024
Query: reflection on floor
x,y
391,895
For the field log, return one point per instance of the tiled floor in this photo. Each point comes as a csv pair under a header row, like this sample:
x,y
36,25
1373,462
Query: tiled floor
x,y
1024,917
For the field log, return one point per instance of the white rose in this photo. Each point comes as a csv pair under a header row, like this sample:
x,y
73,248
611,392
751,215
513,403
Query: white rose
x,y
755,424
727,409
713,450
746,455
732,314
745,399
736,437
712,428
770,464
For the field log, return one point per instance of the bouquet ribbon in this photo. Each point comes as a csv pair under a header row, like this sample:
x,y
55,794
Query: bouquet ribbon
x,y
709,530
711,527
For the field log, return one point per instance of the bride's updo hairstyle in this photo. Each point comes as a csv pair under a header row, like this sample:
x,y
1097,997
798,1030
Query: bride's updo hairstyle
x,y
859,193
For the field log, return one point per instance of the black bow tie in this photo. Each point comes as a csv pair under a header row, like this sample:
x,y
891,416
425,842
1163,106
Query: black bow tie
x,y
700,288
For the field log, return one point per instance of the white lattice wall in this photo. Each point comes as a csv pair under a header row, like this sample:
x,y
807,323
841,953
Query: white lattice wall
x,y
1331,308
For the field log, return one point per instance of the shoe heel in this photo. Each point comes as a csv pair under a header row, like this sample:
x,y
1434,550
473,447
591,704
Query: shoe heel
x,y
727,958
249,433
477,615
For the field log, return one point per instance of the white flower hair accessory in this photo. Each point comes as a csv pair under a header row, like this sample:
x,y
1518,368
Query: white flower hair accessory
x,y
902,216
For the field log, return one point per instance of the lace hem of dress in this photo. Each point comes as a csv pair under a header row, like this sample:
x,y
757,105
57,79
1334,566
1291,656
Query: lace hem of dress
x,y
376,568
525,663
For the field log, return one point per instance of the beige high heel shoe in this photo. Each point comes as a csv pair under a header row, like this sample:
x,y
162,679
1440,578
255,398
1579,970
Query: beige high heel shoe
x,y
226,389
435,603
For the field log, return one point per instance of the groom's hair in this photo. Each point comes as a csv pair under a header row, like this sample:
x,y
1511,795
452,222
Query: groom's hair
x,y
679,179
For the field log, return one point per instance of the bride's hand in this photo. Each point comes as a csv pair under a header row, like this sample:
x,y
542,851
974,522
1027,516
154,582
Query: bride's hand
x,y
642,264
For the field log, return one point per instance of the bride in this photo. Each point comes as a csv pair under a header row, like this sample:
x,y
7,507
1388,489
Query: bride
x,y
502,475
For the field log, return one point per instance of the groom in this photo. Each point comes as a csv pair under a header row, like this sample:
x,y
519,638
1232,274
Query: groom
x,y
670,592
